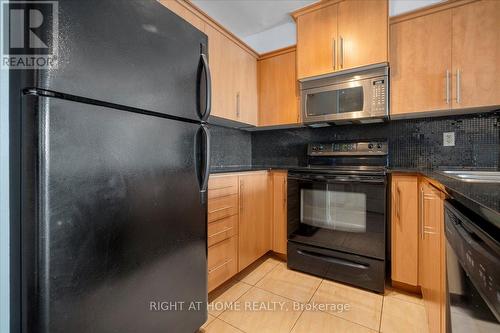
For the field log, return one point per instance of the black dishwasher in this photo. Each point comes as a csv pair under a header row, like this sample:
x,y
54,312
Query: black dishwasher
x,y
473,272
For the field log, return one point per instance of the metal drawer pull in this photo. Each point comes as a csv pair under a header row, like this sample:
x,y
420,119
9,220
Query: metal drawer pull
x,y
220,266
220,232
219,209
447,86
220,188
458,87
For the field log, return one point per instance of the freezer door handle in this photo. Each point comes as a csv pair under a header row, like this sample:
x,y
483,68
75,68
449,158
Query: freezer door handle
x,y
205,70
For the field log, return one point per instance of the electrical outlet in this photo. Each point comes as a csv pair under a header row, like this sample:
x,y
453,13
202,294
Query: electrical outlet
x,y
449,139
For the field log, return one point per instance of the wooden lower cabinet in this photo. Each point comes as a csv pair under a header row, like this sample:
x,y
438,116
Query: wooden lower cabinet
x,y
418,244
432,269
404,229
222,262
255,227
279,214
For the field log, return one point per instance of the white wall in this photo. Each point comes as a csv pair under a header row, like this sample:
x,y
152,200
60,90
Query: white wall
x,y
284,35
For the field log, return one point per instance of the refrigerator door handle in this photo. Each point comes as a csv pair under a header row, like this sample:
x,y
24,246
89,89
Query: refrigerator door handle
x,y
206,157
208,87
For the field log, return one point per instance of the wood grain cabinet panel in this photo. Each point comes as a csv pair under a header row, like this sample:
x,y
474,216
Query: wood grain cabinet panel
x,y
404,229
432,270
476,54
222,262
420,57
316,35
278,98
222,229
222,207
279,191
362,32
255,220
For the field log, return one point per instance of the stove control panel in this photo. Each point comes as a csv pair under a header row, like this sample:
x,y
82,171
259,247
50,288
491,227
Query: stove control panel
x,y
348,148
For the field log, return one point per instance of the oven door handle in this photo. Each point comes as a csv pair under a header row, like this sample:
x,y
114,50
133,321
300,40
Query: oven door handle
x,y
333,260
337,180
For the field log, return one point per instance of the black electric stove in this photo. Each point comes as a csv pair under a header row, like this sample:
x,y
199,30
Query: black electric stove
x,y
337,213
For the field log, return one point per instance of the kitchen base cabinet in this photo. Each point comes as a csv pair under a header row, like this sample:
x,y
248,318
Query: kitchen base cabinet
x,y
255,220
432,271
222,262
404,229
279,192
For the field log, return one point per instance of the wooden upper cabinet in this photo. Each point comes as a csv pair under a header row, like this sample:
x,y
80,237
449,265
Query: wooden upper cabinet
x,y
362,32
222,64
246,78
476,54
404,229
420,57
278,100
255,220
279,190
316,35
185,13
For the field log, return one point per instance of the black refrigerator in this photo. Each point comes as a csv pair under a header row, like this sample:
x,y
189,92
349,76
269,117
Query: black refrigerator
x,y
113,163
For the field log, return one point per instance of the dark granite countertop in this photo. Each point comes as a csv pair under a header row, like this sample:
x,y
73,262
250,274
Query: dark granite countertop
x,y
481,198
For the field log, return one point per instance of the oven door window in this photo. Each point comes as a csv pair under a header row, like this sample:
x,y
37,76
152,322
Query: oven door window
x,y
345,216
337,101
334,210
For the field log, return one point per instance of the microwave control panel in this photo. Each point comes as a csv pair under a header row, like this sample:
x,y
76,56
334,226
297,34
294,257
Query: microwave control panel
x,y
379,95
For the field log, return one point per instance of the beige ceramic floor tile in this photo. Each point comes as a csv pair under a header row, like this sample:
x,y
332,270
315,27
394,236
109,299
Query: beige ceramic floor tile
x,y
222,298
254,273
417,299
321,322
401,316
291,284
218,326
209,320
364,307
262,312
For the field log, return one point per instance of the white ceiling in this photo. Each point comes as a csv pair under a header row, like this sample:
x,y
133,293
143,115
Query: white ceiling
x,y
249,17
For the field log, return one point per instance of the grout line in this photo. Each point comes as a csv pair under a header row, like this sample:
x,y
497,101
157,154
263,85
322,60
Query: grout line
x,y
315,291
296,321
239,329
272,269
381,314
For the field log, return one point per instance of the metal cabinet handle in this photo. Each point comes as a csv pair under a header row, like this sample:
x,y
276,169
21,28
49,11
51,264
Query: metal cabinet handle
x,y
238,104
421,219
284,193
241,195
219,209
398,204
220,266
447,86
341,52
220,232
334,53
458,87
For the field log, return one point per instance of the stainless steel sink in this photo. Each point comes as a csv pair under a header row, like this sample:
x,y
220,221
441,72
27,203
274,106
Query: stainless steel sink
x,y
473,176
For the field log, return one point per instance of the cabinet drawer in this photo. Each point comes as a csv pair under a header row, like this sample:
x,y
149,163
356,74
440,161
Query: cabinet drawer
x,y
222,262
219,208
221,229
222,186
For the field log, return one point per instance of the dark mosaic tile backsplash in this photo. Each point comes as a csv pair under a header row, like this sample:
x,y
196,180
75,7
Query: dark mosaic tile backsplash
x,y
414,143
230,147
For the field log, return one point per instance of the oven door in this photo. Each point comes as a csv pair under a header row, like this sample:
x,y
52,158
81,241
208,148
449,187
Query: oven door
x,y
350,100
339,212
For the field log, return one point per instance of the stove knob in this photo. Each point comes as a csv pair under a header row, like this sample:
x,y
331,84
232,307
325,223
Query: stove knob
x,y
314,148
379,146
370,146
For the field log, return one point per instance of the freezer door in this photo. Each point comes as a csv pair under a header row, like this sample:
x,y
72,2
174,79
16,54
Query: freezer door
x,y
113,224
133,53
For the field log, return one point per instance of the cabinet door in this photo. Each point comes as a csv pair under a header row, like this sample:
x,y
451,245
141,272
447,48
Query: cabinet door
x,y
255,222
247,87
404,229
279,211
476,54
278,101
222,68
316,35
362,33
420,57
432,269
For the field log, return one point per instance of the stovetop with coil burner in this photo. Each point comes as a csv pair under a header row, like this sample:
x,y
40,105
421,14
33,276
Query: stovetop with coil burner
x,y
354,157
